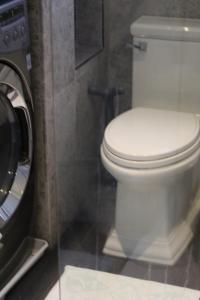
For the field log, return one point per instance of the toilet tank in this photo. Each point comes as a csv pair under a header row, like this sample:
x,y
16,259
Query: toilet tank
x,y
166,63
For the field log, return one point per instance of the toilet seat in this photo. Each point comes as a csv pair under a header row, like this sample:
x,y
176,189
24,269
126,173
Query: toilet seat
x,y
144,138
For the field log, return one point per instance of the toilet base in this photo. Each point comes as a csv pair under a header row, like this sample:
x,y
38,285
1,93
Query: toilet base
x,y
165,251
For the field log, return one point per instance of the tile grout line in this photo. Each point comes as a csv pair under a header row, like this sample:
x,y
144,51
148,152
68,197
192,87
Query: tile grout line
x,y
188,267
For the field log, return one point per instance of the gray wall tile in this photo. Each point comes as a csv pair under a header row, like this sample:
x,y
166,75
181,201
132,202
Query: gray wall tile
x,y
65,123
44,214
63,42
77,118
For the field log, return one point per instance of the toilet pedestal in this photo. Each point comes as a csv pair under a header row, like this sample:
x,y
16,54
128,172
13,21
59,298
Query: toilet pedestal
x,y
151,221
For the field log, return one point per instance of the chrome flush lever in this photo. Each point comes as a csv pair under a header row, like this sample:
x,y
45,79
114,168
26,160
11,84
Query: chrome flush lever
x,y
141,46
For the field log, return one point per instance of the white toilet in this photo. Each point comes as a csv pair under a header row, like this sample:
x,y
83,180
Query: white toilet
x,y
153,150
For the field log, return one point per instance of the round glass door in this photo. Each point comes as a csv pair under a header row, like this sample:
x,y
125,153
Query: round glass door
x,y
10,141
15,141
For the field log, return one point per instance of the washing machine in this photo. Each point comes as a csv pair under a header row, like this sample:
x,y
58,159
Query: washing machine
x,y
16,136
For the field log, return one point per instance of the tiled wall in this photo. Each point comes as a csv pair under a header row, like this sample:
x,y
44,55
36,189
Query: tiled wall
x,y
78,119
44,214
121,14
68,122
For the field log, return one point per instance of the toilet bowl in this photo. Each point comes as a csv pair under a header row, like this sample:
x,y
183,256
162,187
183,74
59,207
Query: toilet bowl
x,y
154,156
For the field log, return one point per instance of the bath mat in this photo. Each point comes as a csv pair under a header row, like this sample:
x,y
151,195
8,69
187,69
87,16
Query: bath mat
x,y
85,284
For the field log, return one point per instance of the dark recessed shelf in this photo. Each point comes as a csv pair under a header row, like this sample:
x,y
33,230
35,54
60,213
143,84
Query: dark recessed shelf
x,y
88,29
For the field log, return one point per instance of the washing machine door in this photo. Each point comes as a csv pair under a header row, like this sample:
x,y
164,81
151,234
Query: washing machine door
x,y
15,141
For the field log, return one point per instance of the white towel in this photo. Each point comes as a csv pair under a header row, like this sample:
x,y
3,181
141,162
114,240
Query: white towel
x,y
84,284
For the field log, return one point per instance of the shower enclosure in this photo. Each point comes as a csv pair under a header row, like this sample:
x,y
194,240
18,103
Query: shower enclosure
x,y
94,53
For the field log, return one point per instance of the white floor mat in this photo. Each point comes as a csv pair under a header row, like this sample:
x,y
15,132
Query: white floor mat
x,y
84,284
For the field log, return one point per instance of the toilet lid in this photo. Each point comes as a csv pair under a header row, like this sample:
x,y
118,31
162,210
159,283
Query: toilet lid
x,y
144,134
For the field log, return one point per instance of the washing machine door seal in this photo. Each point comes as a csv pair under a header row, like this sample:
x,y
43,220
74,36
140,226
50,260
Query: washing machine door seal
x,y
15,141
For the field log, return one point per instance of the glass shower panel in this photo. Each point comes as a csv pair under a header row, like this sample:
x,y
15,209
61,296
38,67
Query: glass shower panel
x,y
128,160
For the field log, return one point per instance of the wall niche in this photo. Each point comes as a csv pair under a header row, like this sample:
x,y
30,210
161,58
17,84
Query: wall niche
x,y
88,29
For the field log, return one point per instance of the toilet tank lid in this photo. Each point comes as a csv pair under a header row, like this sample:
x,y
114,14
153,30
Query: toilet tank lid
x,y
179,29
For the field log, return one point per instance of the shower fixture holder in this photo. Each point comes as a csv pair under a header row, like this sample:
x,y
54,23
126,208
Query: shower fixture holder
x,y
107,94
141,46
